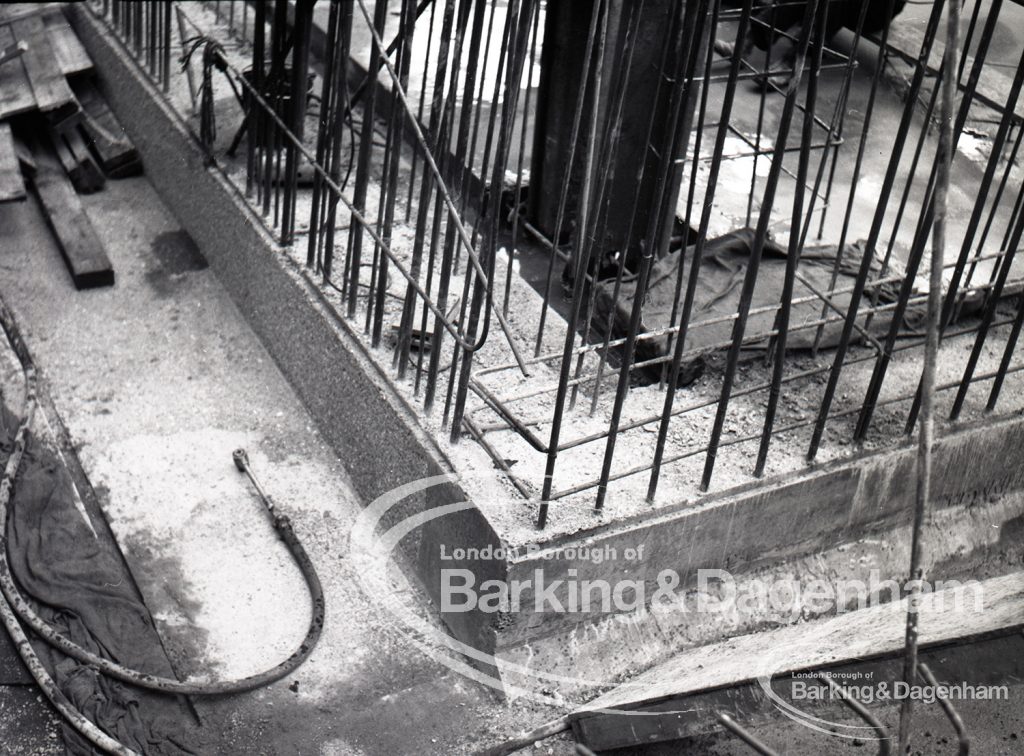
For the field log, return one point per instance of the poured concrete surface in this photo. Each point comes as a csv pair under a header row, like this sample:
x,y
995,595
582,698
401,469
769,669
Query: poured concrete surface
x,y
28,727
274,294
158,379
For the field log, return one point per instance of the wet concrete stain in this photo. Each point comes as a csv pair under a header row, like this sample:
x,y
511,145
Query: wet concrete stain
x,y
176,255
184,643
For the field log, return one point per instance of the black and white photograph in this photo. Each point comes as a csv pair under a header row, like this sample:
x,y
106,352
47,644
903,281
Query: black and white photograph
x,y
493,377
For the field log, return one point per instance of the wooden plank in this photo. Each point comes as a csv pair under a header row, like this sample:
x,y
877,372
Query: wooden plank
x,y
25,158
51,90
104,134
12,186
666,692
70,149
969,662
71,55
14,11
83,252
15,92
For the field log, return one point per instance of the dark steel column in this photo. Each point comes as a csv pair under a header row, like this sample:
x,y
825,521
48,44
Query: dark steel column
x,y
564,50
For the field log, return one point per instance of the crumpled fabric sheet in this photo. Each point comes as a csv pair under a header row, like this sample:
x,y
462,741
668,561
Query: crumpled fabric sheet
x,y
717,298
80,586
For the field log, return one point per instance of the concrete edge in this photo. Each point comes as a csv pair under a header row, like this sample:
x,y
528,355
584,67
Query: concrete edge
x,y
366,422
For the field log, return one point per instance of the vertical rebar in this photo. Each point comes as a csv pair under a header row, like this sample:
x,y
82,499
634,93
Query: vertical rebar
x,y
795,244
698,249
761,235
876,227
664,200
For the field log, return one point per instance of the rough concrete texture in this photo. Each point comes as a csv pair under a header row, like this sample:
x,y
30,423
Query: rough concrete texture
x,y
284,305
119,363
158,379
27,725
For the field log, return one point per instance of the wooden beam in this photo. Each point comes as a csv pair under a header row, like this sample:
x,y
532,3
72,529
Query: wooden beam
x,y
104,134
51,90
83,252
73,154
14,11
12,186
672,698
72,57
15,92
25,158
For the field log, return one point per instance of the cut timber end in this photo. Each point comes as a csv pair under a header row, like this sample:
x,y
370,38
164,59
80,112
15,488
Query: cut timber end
x,y
105,135
85,175
83,252
12,186
25,158
677,699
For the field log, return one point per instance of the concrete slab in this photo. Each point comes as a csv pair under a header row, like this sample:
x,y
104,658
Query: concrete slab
x,y
162,376
796,518
158,379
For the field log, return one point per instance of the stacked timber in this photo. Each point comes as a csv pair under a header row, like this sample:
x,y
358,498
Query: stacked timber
x,y
58,137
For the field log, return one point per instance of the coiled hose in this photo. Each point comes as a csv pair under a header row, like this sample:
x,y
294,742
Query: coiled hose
x,y
15,606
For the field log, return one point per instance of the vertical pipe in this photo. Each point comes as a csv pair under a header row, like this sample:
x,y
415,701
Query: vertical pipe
x,y
300,75
924,448
355,238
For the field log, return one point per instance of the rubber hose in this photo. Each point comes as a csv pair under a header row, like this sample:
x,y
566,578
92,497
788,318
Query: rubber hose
x,y
49,688
21,643
110,668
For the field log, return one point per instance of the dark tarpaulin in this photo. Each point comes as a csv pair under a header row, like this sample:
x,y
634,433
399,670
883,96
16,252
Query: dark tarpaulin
x,y
79,585
723,267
